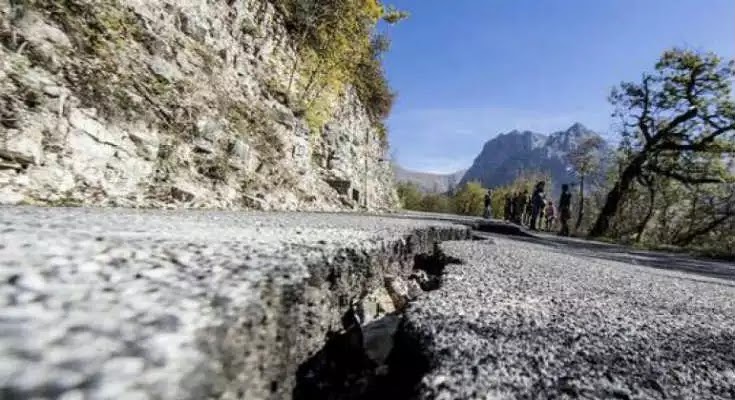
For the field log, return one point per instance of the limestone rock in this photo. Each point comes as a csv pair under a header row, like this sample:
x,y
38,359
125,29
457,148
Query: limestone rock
x,y
36,30
240,149
203,146
8,196
164,69
120,130
146,141
22,146
84,121
183,192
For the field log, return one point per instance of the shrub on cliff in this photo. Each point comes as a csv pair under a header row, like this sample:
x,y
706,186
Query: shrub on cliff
x,y
337,48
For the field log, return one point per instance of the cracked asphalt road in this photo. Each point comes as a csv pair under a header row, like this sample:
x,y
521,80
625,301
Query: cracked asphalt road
x,y
115,304
183,305
533,319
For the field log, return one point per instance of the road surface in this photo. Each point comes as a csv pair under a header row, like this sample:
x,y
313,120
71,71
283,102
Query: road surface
x,y
535,320
129,304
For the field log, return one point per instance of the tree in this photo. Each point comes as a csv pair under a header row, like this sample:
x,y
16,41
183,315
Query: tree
x,y
409,195
470,199
678,123
710,207
585,158
438,203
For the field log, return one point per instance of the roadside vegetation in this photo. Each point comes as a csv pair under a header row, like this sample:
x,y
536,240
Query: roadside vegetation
x,y
468,199
338,48
671,183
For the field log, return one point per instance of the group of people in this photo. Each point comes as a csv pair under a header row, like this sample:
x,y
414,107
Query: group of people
x,y
535,210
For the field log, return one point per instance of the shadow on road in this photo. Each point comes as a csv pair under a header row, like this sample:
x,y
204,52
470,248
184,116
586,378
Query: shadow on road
x,y
654,259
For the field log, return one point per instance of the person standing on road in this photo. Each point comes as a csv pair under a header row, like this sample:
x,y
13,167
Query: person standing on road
x,y
550,215
519,207
537,204
508,207
529,209
488,204
565,209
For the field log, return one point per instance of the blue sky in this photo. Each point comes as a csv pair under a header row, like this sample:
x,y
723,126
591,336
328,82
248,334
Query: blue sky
x,y
467,70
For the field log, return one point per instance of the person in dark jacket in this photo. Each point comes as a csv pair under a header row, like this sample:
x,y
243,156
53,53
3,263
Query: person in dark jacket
x,y
519,206
538,201
565,210
508,207
488,204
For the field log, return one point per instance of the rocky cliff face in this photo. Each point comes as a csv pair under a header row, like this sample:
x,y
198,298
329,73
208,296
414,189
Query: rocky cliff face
x,y
503,158
171,103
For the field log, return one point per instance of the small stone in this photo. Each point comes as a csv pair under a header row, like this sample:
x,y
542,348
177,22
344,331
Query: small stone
x,y
124,367
240,149
203,146
182,193
32,281
164,69
90,267
53,91
72,395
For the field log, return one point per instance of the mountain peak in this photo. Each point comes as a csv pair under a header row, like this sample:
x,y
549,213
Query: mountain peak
x,y
578,130
507,155
577,126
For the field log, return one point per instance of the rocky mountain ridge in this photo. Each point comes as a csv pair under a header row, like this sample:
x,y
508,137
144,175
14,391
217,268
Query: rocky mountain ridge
x,y
506,156
169,103
429,182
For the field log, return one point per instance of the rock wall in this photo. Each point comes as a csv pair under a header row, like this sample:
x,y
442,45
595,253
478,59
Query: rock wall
x,y
171,103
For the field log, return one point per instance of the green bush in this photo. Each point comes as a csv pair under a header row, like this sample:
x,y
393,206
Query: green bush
x,y
470,199
412,199
338,49
410,196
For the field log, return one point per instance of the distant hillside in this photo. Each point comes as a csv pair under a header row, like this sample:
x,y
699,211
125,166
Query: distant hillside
x,y
428,182
503,158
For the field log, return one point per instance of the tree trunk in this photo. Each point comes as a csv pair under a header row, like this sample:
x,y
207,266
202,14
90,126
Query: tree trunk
x,y
649,214
615,197
580,213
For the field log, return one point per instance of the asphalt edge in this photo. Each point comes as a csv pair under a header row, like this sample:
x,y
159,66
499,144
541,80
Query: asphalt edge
x,y
260,359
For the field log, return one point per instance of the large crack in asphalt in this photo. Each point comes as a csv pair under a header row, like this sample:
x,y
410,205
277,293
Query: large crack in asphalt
x,y
378,360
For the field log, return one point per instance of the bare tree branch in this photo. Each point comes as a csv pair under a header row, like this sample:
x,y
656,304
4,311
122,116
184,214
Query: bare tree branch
x,y
680,119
